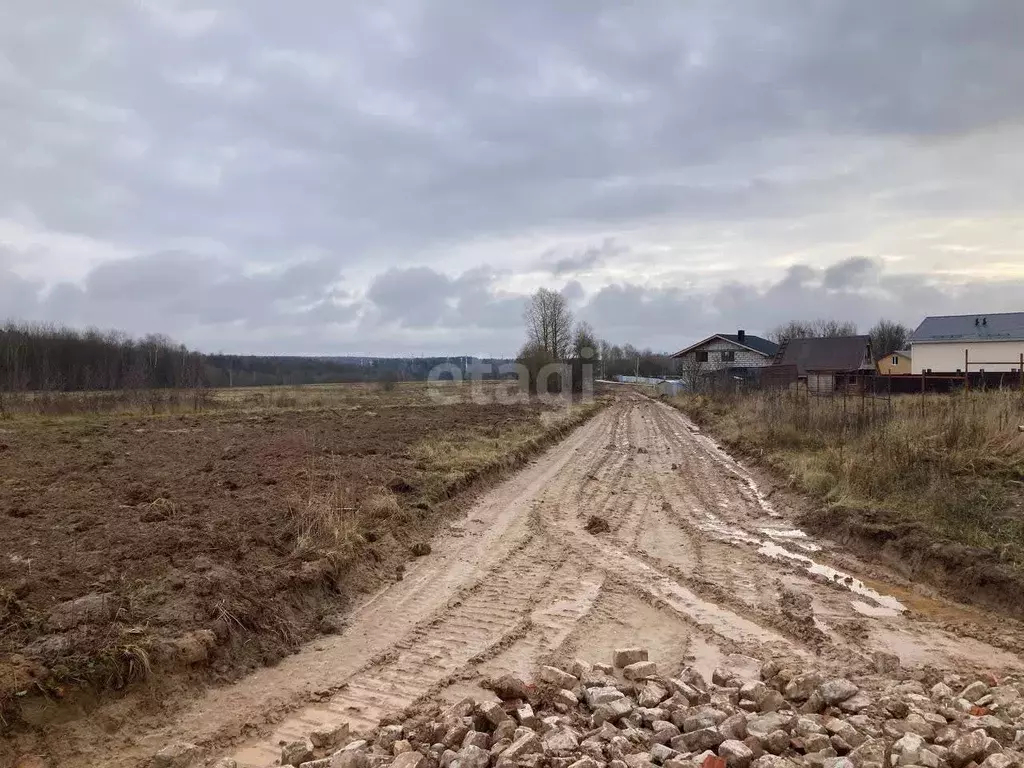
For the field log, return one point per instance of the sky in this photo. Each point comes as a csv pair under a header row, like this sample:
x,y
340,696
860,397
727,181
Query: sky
x,y
395,177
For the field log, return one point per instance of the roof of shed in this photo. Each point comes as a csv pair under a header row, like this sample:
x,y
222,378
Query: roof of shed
x,y
836,353
1006,326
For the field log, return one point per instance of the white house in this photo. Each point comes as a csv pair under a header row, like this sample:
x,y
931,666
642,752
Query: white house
x,y
955,343
725,351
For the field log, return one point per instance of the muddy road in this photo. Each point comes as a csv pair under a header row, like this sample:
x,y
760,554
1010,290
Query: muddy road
x,y
697,563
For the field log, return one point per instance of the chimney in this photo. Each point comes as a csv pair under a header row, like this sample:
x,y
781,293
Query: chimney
x,y
741,336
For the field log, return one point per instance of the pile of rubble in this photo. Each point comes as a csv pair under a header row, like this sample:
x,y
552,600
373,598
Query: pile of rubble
x,y
750,715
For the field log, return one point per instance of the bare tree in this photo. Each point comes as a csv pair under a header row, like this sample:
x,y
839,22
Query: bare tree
x,y
549,323
694,372
887,337
812,329
584,343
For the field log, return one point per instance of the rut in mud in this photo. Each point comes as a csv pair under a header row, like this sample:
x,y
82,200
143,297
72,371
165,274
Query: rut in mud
x,y
696,564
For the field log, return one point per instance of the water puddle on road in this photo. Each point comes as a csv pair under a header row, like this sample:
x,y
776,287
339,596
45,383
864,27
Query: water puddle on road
x,y
885,602
795,536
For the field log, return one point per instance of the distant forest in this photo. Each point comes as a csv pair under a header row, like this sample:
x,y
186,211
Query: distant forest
x,y
51,358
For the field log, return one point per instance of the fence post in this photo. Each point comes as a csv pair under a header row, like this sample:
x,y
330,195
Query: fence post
x,y
967,370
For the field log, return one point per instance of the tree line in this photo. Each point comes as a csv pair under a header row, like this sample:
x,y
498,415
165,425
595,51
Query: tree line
x,y
51,358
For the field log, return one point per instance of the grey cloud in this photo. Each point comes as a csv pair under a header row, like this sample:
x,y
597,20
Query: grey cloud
x,y
583,260
408,121
422,298
186,295
669,318
853,273
376,132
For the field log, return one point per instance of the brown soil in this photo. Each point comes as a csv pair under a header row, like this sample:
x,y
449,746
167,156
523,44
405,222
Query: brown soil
x,y
972,574
188,531
697,565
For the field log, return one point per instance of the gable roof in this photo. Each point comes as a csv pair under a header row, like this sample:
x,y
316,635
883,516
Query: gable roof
x,y
751,342
1006,326
837,353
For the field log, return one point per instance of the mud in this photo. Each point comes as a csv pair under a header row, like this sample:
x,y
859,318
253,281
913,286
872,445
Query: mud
x,y
972,574
681,571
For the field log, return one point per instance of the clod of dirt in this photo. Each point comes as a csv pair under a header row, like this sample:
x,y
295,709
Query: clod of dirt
x,y
597,525
89,609
334,624
798,613
400,485
420,549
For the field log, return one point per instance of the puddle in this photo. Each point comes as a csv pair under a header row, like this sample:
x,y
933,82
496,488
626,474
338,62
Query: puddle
x,y
795,536
717,525
856,586
873,611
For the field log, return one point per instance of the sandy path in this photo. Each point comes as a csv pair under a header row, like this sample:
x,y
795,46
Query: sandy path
x,y
697,564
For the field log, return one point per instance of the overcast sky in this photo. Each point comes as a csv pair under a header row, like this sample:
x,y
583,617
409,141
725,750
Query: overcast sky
x,y
394,176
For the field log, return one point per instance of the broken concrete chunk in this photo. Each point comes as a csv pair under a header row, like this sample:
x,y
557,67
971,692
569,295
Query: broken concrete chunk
x,y
297,752
641,670
409,760
595,697
968,748
837,691
998,761
734,727
477,739
974,691
801,687
179,755
527,744
565,699
471,757
560,741
350,758
493,712
388,736
329,736
558,678
612,711
624,657
736,754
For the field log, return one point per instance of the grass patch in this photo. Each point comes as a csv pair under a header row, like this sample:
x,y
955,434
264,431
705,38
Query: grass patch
x,y
456,459
952,464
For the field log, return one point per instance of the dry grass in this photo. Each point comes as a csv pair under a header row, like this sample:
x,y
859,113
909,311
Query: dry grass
x,y
343,397
953,463
458,458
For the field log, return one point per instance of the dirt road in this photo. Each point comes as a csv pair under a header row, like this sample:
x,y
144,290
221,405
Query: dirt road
x,y
697,564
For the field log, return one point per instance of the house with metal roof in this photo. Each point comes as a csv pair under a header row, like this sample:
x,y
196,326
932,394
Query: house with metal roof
x,y
968,343
728,351
827,363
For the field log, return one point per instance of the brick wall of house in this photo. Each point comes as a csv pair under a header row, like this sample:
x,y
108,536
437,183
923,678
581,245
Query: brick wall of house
x,y
745,358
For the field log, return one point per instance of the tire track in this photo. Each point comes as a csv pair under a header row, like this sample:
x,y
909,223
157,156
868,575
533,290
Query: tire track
x,y
532,584
427,656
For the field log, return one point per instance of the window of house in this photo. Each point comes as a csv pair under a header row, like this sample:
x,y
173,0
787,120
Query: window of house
x,y
702,356
895,360
729,356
